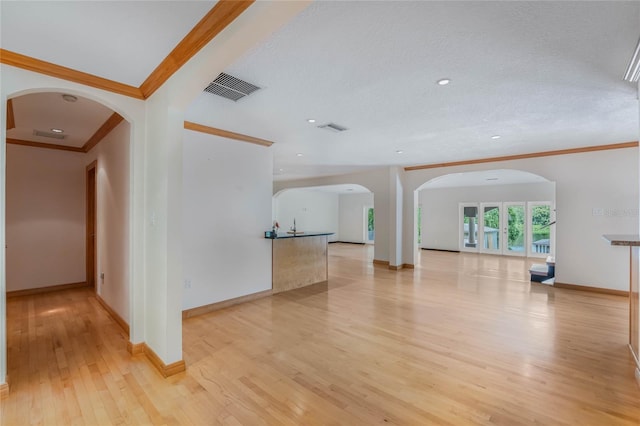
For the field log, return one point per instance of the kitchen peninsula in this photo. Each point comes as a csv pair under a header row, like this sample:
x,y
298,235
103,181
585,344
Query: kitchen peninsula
x,y
299,260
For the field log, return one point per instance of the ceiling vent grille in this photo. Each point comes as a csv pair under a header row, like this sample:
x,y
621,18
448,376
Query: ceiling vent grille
x,y
633,70
230,87
333,127
48,134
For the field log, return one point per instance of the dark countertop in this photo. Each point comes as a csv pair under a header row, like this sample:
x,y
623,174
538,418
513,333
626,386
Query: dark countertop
x,y
282,235
630,240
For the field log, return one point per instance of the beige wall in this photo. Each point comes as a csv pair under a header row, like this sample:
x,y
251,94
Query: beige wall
x,y
45,217
112,155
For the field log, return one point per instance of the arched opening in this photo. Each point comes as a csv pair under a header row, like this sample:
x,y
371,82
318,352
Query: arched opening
x,y
347,210
68,220
501,212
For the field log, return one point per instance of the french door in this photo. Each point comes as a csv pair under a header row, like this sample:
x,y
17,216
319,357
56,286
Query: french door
x,y
507,228
491,228
515,229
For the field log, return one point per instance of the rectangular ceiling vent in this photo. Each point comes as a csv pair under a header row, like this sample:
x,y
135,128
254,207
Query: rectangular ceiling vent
x,y
632,73
48,134
230,87
333,127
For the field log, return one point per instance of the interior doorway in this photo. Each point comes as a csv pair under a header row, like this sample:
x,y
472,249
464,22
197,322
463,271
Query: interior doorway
x,y
91,224
369,222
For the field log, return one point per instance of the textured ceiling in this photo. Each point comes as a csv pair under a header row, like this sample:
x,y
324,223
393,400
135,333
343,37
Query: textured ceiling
x,y
542,75
118,40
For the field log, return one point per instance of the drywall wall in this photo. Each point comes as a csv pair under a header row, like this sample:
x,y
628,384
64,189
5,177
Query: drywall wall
x,y
352,216
112,214
596,194
440,211
45,218
227,190
313,211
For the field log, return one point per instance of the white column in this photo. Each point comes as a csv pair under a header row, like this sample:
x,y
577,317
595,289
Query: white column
x,y
396,200
163,245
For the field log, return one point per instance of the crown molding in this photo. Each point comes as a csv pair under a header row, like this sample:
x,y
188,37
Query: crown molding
x,y
43,145
633,144
36,65
216,20
11,119
225,134
111,123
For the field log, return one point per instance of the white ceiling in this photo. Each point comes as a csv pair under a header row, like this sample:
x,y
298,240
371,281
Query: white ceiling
x,y
483,178
44,111
122,41
543,75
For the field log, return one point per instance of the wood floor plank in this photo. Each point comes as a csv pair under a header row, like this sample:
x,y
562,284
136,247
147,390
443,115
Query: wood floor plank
x,y
460,339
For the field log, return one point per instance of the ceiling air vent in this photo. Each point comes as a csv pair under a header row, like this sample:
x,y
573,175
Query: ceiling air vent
x,y
48,134
333,127
632,73
230,87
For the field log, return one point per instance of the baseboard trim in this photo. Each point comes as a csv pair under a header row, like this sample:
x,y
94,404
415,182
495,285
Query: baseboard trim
x,y
599,290
638,376
201,310
48,289
4,388
135,348
395,267
166,370
381,262
434,249
349,242
408,266
117,318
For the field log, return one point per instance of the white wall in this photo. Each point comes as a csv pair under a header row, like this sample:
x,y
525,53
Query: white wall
x,y
602,180
313,211
352,216
112,213
440,215
377,181
227,187
45,217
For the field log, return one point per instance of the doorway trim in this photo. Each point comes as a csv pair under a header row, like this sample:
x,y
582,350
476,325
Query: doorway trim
x,y
91,220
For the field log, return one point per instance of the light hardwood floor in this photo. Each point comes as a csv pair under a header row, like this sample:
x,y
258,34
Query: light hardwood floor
x,y
462,339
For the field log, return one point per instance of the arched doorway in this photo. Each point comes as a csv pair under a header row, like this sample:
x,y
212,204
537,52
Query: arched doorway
x,y
69,162
347,210
500,211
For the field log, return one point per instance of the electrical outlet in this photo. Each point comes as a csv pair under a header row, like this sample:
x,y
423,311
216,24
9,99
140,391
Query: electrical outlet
x,y
102,275
187,284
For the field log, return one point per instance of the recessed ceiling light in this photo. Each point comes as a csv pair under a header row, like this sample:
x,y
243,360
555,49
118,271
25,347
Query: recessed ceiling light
x,y
311,120
281,170
495,137
299,154
443,81
57,130
69,98
399,151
